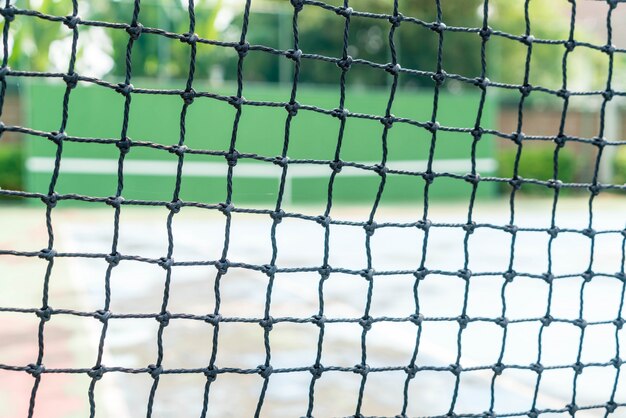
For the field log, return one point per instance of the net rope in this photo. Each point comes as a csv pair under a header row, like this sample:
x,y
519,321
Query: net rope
x,y
223,265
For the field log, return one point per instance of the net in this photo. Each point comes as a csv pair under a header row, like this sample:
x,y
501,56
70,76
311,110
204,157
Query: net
x,y
340,116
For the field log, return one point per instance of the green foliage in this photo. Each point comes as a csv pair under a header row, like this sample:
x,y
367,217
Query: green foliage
x,y
619,166
11,166
536,162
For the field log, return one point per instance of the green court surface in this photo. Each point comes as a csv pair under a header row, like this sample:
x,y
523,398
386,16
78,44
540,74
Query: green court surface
x,y
96,112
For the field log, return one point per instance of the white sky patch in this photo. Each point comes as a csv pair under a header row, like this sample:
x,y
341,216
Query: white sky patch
x,y
94,57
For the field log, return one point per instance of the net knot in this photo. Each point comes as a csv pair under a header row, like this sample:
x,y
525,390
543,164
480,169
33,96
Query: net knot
x,y
510,275
610,407
292,108
57,137
416,319
420,273
366,322
294,54
439,77
188,96
231,158
323,220
345,63
155,371
563,94
612,3
381,170
324,272
44,313
336,166
124,89
50,200
424,224
546,320
344,11
469,227
179,150
35,370
71,21
47,254
570,45
472,178
537,368
134,31
102,315
388,121
588,275
297,4
340,114
608,49
526,89
599,142
164,318
277,215
189,38
213,319
481,82
362,369
8,13
477,133
578,367
464,274
498,368
485,33
527,40
4,70
572,408
370,228
589,232
502,321
226,208
71,80
165,262
96,372
393,69
235,101
619,322
222,266
113,259
396,19
428,177
533,413
594,189
115,201
281,161
455,369
242,48
123,145
608,95
211,373
432,126
516,182
511,229
438,27
517,137
560,140
367,274
265,371
411,371
463,320
316,371
318,320
580,323
267,323
616,362
174,206
269,269
547,277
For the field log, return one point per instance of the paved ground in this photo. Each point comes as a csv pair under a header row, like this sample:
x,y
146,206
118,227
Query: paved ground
x,y
198,234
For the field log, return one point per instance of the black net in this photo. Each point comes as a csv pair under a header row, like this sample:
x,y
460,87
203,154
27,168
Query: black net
x,y
612,403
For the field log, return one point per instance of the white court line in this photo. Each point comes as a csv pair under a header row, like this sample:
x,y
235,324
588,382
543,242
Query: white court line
x,y
243,169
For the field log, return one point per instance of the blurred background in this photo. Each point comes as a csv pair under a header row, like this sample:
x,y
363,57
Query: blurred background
x,y
90,169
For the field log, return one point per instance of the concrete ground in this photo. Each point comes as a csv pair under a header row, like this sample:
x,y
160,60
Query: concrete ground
x,y
137,287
